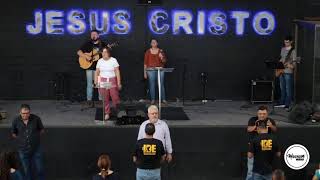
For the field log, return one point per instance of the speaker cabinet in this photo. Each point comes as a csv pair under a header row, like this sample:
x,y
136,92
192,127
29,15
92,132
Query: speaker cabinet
x,y
308,71
261,91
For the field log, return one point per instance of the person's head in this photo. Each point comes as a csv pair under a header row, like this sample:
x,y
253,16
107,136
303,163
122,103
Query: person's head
x,y
262,113
153,113
25,111
278,174
8,160
150,129
262,126
106,53
288,41
94,35
104,164
154,43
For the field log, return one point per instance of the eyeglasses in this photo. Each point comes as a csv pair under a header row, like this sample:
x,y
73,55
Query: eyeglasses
x,y
26,113
153,113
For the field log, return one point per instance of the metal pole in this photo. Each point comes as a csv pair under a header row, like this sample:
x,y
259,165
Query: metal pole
x,y
159,88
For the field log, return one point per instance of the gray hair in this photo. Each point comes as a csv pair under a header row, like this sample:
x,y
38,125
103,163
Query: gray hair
x,y
153,107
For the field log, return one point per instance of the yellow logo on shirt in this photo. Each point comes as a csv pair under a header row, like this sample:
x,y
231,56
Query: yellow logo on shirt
x,y
149,149
266,145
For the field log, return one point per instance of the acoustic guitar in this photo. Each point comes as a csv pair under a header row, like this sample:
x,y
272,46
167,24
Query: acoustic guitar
x,y
95,56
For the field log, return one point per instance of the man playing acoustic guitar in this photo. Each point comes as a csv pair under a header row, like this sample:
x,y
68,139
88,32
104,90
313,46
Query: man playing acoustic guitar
x,y
288,58
89,54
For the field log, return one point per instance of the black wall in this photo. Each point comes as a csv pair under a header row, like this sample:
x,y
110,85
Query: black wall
x,y
29,63
204,153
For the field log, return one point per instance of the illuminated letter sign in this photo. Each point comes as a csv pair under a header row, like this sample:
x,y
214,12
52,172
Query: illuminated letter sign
x,y
160,22
155,18
77,22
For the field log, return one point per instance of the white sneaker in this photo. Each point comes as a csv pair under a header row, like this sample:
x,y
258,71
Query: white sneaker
x,y
280,106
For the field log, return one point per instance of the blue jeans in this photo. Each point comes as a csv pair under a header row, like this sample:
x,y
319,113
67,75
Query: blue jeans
x,y
286,86
90,78
30,161
250,167
256,176
153,81
148,174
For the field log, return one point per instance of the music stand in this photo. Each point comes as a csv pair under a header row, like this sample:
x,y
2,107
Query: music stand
x,y
273,65
160,69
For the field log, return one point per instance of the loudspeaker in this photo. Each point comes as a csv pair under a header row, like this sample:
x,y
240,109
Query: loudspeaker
x,y
131,114
149,2
261,91
301,113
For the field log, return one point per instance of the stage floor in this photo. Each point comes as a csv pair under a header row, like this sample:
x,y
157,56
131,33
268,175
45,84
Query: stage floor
x,y
66,114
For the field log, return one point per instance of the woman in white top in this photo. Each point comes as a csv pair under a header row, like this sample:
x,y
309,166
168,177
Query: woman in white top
x,y
107,70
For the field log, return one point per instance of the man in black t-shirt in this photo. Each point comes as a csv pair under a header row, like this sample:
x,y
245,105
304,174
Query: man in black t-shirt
x,y
262,115
148,155
94,43
26,130
265,150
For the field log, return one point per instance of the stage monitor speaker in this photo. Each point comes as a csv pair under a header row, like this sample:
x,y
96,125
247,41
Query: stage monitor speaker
x,y
131,114
125,114
149,2
261,91
301,112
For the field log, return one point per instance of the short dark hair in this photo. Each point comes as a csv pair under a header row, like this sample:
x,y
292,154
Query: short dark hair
x,y
278,174
108,50
150,129
154,39
94,30
25,106
262,108
288,38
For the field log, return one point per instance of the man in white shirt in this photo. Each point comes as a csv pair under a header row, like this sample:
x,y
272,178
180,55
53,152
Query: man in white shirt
x,y
162,131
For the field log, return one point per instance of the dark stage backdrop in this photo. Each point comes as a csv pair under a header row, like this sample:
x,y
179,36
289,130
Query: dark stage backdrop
x,y
29,62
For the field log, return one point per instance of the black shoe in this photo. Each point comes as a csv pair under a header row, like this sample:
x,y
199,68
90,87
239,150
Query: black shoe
x,y
89,104
279,106
287,108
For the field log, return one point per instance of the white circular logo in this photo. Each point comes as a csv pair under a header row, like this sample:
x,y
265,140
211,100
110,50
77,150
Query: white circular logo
x,y
296,156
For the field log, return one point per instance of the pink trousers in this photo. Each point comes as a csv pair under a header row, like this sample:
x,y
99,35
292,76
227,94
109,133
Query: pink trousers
x,y
113,92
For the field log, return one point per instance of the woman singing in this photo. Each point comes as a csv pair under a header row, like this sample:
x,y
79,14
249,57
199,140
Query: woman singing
x,y
107,70
154,57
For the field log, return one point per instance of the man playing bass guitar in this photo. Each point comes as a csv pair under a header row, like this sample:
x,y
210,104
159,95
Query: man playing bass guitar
x,y
288,58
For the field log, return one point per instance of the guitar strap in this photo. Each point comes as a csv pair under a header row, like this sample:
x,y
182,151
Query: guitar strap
x,y
289,54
